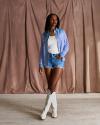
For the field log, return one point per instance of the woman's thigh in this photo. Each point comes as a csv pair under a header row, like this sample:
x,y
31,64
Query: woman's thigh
x,y
56,74
48,73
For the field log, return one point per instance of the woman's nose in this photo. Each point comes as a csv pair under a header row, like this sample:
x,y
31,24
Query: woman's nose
x,y
54,21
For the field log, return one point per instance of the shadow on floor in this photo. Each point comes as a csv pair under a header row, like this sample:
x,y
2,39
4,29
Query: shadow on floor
x,y
33,111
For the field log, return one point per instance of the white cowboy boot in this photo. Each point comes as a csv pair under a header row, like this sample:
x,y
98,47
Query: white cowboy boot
x,y
54,105
47,106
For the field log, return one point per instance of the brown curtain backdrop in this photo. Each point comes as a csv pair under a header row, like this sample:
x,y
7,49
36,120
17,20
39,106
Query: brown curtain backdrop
x,y
21,25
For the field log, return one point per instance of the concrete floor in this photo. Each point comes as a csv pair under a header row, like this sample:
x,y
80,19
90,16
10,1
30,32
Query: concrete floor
x,y
73,109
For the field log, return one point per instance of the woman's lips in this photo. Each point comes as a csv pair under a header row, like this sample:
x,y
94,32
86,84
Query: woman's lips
x,y
54,24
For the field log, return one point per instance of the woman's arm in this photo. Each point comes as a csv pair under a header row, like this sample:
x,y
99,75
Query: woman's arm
x,y
41,53
66,45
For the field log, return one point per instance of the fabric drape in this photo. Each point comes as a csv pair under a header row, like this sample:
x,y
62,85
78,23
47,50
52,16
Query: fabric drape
x,y
21,25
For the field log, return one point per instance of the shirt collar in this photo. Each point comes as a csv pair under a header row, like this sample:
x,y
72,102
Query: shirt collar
x,y
55,31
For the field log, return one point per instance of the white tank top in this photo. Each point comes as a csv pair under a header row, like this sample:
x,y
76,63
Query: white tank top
x,y
52,45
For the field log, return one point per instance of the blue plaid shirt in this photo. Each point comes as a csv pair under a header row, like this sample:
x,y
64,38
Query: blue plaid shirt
x,y
62,42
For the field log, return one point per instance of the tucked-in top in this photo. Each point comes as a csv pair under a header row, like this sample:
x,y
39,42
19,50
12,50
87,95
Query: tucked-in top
x,y
52,45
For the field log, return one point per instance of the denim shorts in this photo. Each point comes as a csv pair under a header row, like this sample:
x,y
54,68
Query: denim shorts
x,y
53,62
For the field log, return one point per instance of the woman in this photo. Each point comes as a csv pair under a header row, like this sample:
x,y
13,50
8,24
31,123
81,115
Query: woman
x,y
54,47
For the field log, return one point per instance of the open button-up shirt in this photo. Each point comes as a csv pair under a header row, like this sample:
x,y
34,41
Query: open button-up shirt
x,y
62,42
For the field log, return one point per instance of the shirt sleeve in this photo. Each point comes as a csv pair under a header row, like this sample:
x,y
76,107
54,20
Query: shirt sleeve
x,y
66,45
41,53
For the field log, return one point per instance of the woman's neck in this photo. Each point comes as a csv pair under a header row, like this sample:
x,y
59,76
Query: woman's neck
x,y
52,32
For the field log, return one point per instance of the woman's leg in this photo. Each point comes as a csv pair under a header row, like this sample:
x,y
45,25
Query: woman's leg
x,y
53,75
48,73
52,79
56,74
48,98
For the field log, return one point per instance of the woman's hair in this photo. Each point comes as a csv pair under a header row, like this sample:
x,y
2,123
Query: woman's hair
x,y
47,24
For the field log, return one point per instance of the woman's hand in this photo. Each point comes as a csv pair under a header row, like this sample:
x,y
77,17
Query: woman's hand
x,y
40,70
58,56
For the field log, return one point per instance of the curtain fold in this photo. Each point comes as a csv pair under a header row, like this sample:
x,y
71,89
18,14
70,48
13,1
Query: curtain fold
x,y
21,25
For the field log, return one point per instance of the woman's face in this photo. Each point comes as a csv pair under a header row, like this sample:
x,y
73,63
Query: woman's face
x,y
53,21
